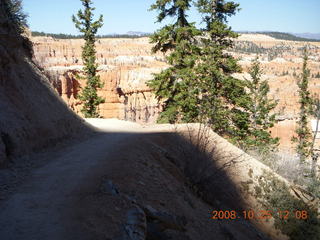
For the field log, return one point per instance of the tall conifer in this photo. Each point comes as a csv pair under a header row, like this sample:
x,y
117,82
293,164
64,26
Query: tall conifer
x,y
260,107
175,85
85,24
303,132
199,83
224,99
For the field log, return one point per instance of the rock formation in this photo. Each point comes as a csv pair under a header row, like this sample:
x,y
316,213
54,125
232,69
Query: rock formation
x,y
32,116
127,64
125,67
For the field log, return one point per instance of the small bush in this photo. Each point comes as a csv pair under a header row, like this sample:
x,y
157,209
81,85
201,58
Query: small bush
x,y
285,164
275,196
314,187
205,175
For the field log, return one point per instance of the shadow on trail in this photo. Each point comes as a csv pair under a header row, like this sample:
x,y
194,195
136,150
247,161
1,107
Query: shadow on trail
x,y
55,187
191,166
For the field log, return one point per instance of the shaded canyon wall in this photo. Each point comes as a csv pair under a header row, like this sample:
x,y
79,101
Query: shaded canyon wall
x,y
32,115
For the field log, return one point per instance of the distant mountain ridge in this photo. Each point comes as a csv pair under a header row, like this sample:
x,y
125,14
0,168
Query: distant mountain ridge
x,y
137,33
304,37
130,34
282,36
308,35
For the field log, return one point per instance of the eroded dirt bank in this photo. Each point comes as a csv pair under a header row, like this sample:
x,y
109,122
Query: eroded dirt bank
x,y
32,116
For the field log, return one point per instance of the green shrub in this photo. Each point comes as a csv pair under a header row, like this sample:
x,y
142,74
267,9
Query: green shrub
x,y
275,196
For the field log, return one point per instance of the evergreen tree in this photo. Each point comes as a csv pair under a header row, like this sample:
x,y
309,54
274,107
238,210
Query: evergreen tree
x,y
16,14
85,24
260,107
18,21
176,85
198,85
224,99
303,138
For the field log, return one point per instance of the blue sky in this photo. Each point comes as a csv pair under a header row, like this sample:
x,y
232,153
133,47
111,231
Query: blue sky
x,y
121,16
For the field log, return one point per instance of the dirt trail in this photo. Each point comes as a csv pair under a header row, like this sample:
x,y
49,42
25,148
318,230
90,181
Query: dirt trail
x,y
68,196
36,210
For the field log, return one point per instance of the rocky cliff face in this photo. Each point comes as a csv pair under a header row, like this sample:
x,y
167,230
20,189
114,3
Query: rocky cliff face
x,y
32,116
125,66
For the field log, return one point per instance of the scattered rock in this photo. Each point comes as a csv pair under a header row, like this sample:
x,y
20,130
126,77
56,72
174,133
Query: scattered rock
x,y
108,187
151,224
165,220
136,226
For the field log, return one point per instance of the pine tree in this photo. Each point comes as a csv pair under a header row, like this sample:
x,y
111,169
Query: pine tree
x,y
16,14
303,138
175,85
18,21
260,107
198,85
224,99
85,24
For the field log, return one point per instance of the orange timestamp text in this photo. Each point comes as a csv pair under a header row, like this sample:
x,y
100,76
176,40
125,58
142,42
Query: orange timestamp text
x,y
258,215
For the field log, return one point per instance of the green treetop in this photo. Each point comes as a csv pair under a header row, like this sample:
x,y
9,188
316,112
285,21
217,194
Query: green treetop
x,y
88,27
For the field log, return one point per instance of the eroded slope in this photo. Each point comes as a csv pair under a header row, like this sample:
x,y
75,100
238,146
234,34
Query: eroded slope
x,y
32,116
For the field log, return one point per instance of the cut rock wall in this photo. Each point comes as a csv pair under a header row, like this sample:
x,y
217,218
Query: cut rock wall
x,y
32,116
